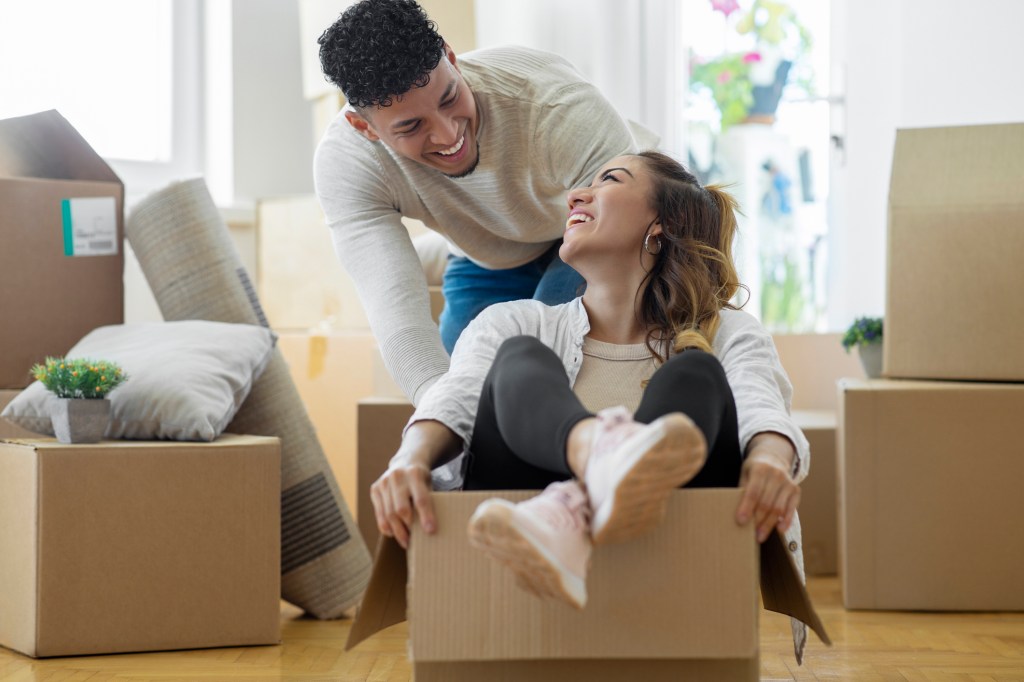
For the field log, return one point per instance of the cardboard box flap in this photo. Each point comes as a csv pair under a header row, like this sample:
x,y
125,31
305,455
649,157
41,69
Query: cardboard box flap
x,y
383,602
45,145
782,590
965,166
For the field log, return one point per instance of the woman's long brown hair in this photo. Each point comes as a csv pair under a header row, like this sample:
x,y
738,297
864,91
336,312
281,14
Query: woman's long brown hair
x,y
694,276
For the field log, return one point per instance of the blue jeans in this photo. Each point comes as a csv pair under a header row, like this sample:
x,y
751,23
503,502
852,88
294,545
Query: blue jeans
x,y
469,288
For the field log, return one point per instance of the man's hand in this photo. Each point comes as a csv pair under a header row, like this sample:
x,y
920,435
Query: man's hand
x,y
770,496
397,494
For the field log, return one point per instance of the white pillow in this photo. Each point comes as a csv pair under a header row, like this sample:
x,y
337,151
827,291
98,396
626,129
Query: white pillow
x,y
186,380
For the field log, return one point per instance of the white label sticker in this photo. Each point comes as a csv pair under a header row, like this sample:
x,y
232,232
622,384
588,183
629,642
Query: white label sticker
x,y
90,226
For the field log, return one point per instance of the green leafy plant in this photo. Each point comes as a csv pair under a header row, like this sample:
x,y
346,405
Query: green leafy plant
x,y
863,331
79,378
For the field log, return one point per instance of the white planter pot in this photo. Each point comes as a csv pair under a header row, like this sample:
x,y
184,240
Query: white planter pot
x,y
80,420
871,359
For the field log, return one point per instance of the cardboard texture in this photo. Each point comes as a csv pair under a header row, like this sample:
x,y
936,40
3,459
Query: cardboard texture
x,y
332,372
956,232
929,495
819,497
379,432
62,231
300,281
677,603
139,546
815,363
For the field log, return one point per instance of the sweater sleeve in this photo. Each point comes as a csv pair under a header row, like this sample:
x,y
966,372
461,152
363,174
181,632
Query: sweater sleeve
x,y
760,386
375,249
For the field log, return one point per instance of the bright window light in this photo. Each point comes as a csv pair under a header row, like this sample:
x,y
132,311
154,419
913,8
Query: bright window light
x,y
105,65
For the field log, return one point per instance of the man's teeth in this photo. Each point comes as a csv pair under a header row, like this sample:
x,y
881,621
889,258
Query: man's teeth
x,y
454,149
578,218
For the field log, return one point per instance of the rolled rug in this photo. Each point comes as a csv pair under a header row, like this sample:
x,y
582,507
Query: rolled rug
x,y
195,272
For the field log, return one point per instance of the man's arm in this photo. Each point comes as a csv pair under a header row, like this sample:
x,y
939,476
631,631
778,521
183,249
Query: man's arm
x,y
375,249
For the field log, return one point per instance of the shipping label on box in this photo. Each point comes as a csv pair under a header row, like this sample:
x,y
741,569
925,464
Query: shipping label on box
x,y
90,226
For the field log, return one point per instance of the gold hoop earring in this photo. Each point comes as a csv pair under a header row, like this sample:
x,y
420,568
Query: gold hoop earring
x,y
647,244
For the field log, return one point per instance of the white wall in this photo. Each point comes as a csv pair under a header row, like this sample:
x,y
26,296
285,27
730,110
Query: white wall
x,y
273,122
623,47
915,63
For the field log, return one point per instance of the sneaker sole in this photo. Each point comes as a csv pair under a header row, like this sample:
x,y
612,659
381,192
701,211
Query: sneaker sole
x,y
493,529
669,452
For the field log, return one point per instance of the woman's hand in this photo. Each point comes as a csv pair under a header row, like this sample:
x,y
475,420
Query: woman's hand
x,y
399,491
770,496
403,491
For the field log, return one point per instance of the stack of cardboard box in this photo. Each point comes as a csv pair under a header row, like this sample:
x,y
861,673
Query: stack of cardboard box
x,y
930,457
120,545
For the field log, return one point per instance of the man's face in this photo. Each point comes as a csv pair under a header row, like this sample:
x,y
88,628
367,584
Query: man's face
x,y
435,125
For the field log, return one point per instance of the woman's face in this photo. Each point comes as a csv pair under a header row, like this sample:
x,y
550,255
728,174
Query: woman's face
x,y
610,218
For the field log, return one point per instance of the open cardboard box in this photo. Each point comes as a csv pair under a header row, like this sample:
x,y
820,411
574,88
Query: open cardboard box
x,y
61,235
678,602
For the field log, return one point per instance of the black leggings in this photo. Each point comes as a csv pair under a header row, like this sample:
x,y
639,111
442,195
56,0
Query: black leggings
x,y
527,409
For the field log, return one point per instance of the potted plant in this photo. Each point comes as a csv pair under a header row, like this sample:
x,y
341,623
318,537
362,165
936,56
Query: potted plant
x,y
746,85
866,334
81,413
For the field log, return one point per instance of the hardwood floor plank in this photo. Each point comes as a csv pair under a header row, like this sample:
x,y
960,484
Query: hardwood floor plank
x,y
869,646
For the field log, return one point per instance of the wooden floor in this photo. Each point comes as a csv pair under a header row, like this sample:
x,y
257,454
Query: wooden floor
x,y
869,646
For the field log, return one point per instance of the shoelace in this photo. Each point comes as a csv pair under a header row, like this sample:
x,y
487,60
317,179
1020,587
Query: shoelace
x,y
563,507
608,436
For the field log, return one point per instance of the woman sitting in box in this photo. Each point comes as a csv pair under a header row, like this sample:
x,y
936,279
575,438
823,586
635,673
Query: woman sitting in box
x,y
650,381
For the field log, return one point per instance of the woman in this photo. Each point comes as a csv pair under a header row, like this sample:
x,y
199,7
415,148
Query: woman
x,y
650,381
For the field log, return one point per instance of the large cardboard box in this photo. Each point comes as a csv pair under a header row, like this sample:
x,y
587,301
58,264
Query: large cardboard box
x,y
815,363
61,236
930,478
956,235
819,497
9,429
139,546
679,603
379,432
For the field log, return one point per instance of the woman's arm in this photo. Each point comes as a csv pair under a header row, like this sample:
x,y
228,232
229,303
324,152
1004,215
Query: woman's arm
x,y
406,483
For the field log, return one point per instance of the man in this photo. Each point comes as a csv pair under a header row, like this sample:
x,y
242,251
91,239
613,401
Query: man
x,y
481,149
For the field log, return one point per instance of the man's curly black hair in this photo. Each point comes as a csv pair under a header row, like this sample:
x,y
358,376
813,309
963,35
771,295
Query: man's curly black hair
x,y
379,49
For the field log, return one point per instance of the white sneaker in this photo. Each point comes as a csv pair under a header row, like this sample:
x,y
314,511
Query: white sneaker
x,y
544,540
634,467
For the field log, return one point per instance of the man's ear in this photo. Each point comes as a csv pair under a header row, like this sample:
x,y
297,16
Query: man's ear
x,y
361,125
449,54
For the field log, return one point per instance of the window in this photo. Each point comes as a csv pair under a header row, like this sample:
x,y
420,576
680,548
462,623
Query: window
x,y
757,118
123,72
